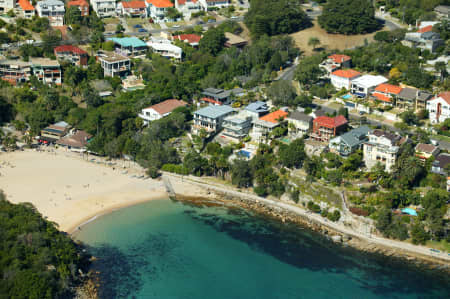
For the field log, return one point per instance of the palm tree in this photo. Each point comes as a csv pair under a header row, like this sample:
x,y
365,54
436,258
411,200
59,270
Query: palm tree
x,y
314,42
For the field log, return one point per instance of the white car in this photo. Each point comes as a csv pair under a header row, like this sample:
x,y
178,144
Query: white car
x,y
176,26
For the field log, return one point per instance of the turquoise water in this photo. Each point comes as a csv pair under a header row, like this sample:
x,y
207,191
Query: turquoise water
x,y
164,249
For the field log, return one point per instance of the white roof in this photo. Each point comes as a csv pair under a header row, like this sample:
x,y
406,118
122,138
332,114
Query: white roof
x,y
165,47
368,81
427,23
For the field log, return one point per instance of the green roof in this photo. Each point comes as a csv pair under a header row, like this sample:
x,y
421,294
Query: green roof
x,y
128,41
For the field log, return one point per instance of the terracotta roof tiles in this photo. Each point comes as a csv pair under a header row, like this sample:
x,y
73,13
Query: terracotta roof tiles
x,y
346,73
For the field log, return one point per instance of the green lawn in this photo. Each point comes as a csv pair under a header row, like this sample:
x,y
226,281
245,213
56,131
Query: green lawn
x,y
441,137
443,245
136,21
111,20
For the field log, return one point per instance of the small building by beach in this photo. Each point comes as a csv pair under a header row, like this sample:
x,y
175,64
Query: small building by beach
x,y
54,132
76,140
160,110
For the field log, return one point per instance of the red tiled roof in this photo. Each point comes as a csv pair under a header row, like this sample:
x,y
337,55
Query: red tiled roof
x,y
339,58
346,73
25,5
167,106
133,4
209,100
160,3
382,97
389,88
445,95
10,80
69,48
190,38
425,29
274,116
331,122
183,2
425,148
77,3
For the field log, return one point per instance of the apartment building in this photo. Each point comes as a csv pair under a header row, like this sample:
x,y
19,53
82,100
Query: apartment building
x,y
382,147
17,71
236,127
104,8
114,64
54,10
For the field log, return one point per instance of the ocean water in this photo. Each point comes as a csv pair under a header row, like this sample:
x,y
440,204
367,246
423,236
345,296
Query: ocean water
x,y
165,249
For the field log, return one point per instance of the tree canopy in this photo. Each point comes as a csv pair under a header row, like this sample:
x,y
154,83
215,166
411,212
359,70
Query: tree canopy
x,y
273,17
349,17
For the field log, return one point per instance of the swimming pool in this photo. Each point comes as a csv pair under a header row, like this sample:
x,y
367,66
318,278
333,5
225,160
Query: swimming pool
x,y
347,96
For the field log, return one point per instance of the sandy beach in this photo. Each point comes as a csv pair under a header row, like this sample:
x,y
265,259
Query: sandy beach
x,y
70,190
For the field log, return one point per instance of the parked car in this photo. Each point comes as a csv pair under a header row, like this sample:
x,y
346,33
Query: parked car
x,y
234,17
200,22
211,21
176,26
137,26
142,30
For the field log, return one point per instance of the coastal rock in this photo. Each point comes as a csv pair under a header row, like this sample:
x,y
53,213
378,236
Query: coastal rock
x,y
337,239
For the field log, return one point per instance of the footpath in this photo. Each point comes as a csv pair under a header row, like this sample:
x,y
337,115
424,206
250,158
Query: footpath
x,y
370,239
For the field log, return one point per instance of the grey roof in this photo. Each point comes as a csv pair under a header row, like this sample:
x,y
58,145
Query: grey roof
x,y
61,124
444,9
297,115
442,160
257,107
430,35
408,93
50,2
424,95
392,137
214,111
355,136
320,112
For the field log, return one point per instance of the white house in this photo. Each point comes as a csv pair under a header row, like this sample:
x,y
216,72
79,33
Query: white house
x,y
364,85
439,107
208,4
104,8
382,147
188,7
6,5
135,8
160,110
165,48
299,123
53,10
157,9
343,78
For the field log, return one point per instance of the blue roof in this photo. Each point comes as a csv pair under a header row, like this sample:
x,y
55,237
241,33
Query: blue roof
x,y
409,211
128,41
214,111
257,107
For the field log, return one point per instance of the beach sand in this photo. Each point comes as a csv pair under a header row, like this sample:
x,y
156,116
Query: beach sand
x,y
70,190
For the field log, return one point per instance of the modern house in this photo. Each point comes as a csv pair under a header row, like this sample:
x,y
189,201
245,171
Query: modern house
x,y
442,11
104,8
423,40
54,132
426,151
349,142
387,93
26,10
335,62
233,40
343,78
263,126
382,147
439,107
165,48
135,8
188,7
72,54
54,10
299,124
217,96
160,110
364,85
412,98
129,46
114,64
191,39
157,9
209,4
325,128
83,6
210,118
15,71
76,140
440,164
237,126
257,109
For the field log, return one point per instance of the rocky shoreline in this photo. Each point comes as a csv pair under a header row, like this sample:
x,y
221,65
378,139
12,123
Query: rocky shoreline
x,y
224,199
